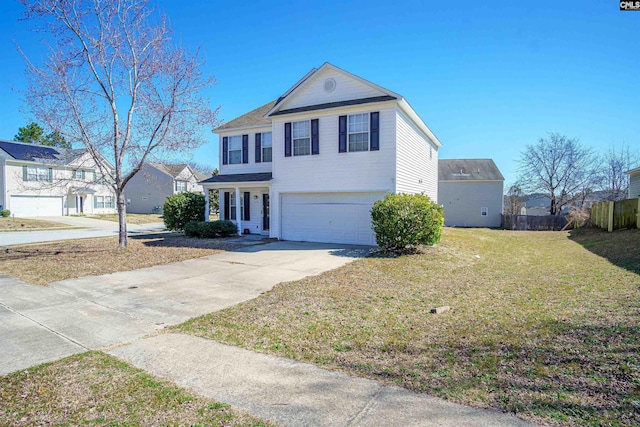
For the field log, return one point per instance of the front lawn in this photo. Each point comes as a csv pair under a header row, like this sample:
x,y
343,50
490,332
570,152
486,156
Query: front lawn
x,y
542,324
29,224
44,263
97,389
131,218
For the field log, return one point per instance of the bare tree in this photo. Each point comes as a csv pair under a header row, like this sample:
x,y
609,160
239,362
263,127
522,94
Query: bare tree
x,y
613,174
514,200
115,81
559,167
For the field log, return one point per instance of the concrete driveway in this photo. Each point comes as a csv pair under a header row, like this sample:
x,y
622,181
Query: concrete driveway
x,y
40,324
85,227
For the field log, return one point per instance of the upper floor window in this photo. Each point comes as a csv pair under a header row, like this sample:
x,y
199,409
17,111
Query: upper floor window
x,y
181,186
35,173
266,147
301,138
78,174
358,131
235,150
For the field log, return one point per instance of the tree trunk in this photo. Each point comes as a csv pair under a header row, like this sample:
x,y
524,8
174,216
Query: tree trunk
x,y
122,219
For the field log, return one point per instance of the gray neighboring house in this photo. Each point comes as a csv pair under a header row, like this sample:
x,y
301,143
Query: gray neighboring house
x,y
471,191
634,183
147,191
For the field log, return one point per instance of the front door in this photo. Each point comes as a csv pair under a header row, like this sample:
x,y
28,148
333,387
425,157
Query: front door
x,y
265,212
81,205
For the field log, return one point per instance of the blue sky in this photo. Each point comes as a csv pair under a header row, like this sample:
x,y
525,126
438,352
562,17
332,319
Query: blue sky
x,y
487,77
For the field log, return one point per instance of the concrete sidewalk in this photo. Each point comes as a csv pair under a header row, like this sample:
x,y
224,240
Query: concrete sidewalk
x,y
293,393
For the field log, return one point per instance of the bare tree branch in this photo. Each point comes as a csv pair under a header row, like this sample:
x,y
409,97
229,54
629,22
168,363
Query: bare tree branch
x,y
115,81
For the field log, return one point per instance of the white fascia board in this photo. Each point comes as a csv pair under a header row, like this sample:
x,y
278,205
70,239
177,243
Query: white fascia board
x,y
236,130
415,118
632,171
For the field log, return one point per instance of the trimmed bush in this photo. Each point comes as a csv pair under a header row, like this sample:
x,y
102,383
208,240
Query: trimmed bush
x,y
182,208
403,221
5,213
211,229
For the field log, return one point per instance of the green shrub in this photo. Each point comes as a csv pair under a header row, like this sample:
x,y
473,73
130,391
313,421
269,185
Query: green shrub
x,y
211,229
403,221
5,213
181,208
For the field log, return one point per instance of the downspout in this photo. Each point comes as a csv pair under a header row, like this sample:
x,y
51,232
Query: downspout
x,y
3,178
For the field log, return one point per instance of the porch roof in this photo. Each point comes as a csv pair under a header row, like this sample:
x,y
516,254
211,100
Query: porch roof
x,y
239,178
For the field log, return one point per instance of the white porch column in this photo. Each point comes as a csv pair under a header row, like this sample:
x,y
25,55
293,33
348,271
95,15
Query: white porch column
x,y
238,219
206,204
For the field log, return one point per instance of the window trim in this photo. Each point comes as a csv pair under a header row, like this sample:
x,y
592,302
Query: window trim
x,y
270,147
38,174
484,211
368,132
229,150
181,181
294,139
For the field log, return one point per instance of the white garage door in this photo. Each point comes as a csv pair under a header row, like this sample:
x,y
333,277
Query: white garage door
x,y
329,217
27,206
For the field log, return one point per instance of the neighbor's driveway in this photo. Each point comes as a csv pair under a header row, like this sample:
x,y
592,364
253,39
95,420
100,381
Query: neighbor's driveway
x,y
86,227
40,324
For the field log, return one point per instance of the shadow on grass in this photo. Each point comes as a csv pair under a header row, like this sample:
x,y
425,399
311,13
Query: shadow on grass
x,y
585,374
621,248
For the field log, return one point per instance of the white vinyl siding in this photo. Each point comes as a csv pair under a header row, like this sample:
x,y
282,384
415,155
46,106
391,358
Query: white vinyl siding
x,y
417,160
252,166
346,89
634,185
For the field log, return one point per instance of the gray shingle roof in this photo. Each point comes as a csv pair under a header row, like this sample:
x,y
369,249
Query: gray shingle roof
x,y
252,118
241,177
468,170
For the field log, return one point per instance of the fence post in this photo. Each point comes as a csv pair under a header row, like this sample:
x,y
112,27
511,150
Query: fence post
x,y
610,221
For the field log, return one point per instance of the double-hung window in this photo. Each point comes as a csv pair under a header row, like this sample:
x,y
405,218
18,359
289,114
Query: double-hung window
x,y
235,150
232,205
78,174
34,173
181,186
358,132
100,202
266,147
301,135
109,202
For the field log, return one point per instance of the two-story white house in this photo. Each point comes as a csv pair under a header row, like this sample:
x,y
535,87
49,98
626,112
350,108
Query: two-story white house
x,y
36,180
309,165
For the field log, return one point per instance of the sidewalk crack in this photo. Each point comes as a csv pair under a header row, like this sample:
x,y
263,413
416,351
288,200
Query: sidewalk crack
x,y
355,420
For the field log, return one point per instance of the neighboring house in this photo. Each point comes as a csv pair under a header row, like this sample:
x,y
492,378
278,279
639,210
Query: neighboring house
x,y
471,191
309,165
147,191
37,180
634,183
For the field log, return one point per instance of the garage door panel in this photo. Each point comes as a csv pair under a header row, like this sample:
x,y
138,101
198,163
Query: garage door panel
x,y
329,217
34,206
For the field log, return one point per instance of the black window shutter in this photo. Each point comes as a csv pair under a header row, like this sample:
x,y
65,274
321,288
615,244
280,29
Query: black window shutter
x,y
374,123
245,148
315,137
342,134
225,150
258,147
247,203
287,139
226,205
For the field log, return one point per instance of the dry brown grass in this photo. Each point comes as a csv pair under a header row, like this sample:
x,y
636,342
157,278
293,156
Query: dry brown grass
x,y
21,224
49,262
542,324
131,218
96,389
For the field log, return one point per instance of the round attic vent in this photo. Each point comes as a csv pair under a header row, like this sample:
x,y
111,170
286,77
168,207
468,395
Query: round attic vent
x,y
329,85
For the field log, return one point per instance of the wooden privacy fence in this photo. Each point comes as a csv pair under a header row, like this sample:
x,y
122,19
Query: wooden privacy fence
x,y
534,223
616,215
